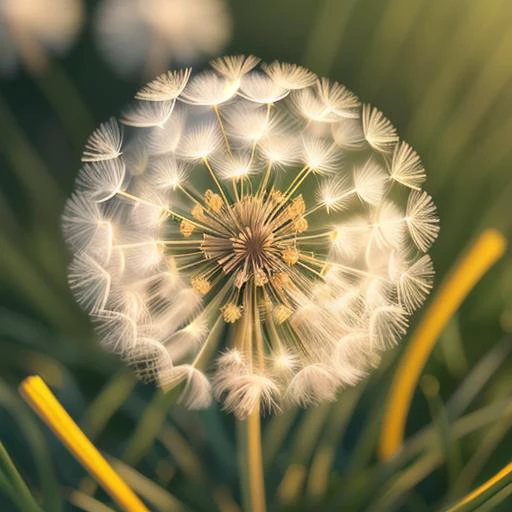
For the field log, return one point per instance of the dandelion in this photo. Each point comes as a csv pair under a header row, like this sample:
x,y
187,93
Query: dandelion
x,y
30,29
137,35
261,237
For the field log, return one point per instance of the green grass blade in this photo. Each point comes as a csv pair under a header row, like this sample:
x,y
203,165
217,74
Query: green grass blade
x,y
67,103
448,445
491,504
50,488
28,166
327,34
485,493
323,458
20,491
481,373
107,402
87,503
153,493
149,427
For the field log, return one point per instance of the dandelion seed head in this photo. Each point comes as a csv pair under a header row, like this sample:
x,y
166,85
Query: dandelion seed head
x,y
225,244
145,35
34,28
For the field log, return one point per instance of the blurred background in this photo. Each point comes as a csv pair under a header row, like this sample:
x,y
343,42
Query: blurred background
x,y
440,70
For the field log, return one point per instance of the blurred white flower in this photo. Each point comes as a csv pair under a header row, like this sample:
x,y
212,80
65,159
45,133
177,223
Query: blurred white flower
x,y
146,35
30,29
243,243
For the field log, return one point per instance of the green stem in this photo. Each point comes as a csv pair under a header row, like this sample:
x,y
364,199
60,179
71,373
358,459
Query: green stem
x,y
251,463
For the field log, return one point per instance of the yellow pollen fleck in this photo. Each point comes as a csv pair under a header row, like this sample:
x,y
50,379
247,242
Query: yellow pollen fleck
x,y
186,228
231,313
300,225
333,235
198,213
260,278
276,196
213,200
281,313
201,285
281,280
297,208
291,256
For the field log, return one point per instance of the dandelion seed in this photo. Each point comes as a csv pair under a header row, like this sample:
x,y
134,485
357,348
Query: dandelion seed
x,y
234,67
378,131
104,144
348,134
289,76
260,88
165,87
280,150
90,283
320,156
86,228
421,219
406,167
231,247
369,182
145,114
168,173
414,281
248,123
210,89
197,392
338,99
102,180
199,142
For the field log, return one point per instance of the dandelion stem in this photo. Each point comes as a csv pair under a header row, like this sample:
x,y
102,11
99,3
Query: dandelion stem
x,y
300,238
297,181
485,251
181,242
251,463
39,396
217,182
223,131
235,189
170,212
263,184
307,267
189,195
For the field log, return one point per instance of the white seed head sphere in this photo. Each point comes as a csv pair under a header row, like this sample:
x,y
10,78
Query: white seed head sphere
x,y
31,28
251,233
137,35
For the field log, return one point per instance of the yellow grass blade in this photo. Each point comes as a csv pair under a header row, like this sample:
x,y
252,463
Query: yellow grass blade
x,y
39,396
472,496
484,252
